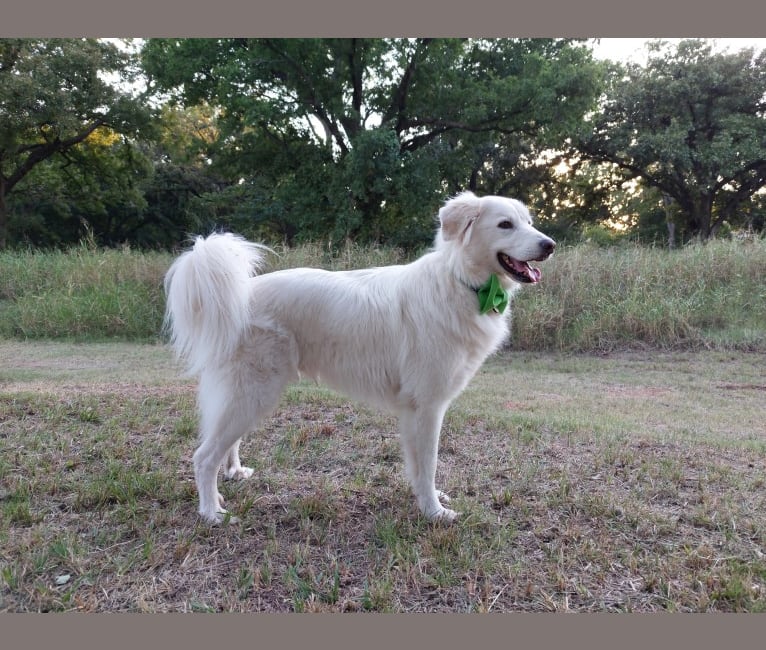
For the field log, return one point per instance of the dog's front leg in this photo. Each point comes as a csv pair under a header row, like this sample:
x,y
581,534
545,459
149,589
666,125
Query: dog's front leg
x,y
419,431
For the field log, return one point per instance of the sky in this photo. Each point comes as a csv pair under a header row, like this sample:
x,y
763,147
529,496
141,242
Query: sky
x,y
633,50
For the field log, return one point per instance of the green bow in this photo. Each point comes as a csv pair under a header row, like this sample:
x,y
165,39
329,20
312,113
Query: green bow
x,y
492,296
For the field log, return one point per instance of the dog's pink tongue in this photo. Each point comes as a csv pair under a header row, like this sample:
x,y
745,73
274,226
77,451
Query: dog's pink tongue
x,y
524,269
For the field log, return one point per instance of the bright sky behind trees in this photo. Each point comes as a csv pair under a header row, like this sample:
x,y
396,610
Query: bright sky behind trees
x,y
633,49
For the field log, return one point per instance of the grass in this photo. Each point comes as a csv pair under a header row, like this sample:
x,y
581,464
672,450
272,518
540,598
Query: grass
x,y
708,296
631,481
81,294
602,299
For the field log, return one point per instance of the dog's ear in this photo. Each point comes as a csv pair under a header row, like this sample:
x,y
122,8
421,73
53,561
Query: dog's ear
x,y
457,216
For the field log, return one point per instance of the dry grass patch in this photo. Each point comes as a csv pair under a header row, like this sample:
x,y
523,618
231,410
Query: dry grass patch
x,y
626,483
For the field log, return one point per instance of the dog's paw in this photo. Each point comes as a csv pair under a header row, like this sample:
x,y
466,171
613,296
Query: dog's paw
x,y
239,473
443,516
220,517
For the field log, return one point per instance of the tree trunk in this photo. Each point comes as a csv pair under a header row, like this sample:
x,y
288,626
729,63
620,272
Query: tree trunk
x,y
701,216
3,216
670,219
671,235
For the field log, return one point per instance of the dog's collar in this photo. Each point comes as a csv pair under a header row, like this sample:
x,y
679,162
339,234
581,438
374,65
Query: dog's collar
x,y
492,296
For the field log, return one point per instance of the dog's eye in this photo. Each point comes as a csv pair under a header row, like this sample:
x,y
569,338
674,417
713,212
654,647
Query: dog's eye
x,y
505,224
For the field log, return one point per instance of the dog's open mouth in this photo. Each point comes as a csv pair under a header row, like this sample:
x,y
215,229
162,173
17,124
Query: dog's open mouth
x,y
519,271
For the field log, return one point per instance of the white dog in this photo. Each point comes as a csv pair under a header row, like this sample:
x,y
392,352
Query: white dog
x,y
407,338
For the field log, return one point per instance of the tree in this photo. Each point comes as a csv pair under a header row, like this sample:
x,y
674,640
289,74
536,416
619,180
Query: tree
x,y
690,124
363,137
54,95
97,187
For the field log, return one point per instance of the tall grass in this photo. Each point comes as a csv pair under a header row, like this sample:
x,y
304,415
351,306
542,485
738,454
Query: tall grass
x,y
705,295
82,294
590,298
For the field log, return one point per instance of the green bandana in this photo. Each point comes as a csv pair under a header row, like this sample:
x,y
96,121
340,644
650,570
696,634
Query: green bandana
x,y
492,296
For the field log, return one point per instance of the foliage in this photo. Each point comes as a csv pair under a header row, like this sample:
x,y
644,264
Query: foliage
x,y
97,189
335,140
362,138
54,96
690,124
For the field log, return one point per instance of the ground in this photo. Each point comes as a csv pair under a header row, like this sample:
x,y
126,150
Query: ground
x,y
627,482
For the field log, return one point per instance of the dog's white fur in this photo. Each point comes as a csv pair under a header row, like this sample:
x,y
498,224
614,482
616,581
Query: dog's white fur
x,y
407,338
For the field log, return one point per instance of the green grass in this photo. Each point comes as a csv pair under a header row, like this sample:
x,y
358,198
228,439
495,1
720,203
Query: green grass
x,y
81,294
618,482
599,299
590,299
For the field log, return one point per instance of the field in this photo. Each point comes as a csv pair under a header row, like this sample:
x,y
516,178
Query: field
x,y
625,481
591,299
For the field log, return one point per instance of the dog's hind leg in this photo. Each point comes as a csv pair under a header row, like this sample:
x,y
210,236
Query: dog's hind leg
x,y
222,425
419,431
232,466
223,422
231,406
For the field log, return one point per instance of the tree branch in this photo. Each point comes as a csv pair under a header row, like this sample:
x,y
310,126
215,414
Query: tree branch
x,y
38,153
399,100
444,126
305,93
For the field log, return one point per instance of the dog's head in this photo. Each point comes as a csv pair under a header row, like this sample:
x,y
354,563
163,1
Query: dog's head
x,y
494,235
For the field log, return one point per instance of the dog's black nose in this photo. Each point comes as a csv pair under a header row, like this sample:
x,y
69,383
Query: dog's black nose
x,y
547,245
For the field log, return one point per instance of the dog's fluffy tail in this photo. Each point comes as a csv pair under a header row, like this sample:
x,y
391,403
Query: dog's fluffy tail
x,y
207,298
